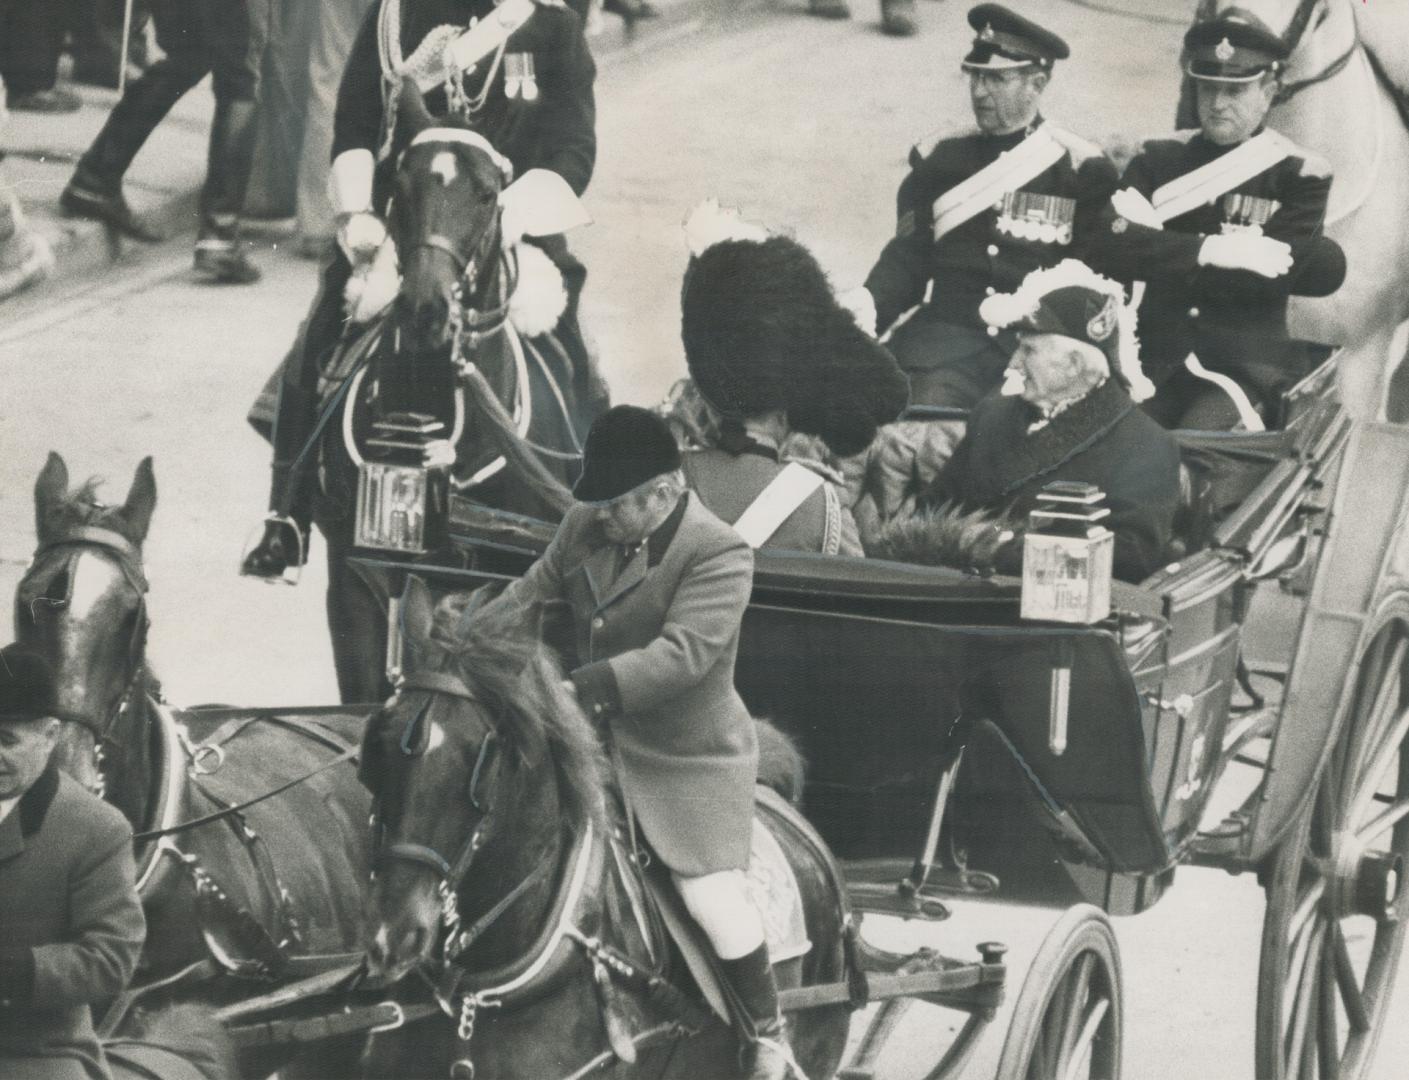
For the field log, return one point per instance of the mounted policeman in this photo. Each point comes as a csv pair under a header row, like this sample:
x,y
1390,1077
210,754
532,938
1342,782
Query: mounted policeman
x,y
1224,224
521,75
980,211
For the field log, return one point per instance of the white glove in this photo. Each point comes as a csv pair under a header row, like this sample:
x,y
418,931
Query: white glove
x,y
1134,207
862,306
1246,251
360,236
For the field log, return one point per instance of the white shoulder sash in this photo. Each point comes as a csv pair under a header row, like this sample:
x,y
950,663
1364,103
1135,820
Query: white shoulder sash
x,y
1222,175
776,503
1009,171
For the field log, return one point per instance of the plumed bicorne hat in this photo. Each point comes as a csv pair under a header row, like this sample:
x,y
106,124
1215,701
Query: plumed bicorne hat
x,y
1074,301
763,330
27,690
626,447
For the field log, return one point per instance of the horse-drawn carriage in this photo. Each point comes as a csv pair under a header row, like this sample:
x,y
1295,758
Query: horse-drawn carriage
x,y
959,755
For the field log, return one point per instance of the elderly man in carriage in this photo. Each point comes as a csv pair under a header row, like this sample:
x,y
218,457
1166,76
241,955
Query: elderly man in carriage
x,y
518,77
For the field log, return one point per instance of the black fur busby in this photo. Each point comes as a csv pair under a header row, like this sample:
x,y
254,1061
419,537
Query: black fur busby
x,y
27,689
763,331
626,447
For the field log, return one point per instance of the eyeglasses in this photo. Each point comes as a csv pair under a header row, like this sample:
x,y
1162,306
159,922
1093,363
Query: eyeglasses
x,y
993,80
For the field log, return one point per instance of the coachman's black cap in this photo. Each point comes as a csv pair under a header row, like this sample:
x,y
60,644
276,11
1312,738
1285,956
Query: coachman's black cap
x,y
1233,48
626,447
1007,40
27,689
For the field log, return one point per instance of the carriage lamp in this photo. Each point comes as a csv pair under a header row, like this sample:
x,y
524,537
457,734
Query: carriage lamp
x,y
403,486
1067,555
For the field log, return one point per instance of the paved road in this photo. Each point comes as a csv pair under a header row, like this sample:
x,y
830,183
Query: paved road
x,y
804,125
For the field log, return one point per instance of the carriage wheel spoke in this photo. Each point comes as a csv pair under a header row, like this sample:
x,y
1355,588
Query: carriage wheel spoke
x,y
1382,822
1349,983
1379,765
1081,1051
1299,928
1302,1011
1382,705
1075,989
1328,1041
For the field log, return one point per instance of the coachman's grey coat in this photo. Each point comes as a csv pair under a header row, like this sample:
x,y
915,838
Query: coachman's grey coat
x,y
657,639
71,928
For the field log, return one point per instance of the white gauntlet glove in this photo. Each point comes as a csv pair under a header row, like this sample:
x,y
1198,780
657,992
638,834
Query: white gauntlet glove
x,y
360,231
360,236
1246,251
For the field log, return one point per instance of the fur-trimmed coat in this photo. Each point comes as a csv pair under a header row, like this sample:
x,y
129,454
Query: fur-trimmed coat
x,y
1104,439
657,636
72,927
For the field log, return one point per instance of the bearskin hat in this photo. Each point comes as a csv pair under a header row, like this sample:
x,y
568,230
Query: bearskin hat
x,y
762,330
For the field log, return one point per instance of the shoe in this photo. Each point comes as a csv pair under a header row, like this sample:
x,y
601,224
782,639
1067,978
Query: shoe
x,y
829,9
631,10
225,263
82,200
283,547
898,18
25,260
52,100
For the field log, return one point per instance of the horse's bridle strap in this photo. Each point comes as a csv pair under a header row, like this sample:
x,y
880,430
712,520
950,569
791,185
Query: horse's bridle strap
x,y
437,682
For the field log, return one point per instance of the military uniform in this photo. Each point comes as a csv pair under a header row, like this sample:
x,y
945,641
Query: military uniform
x,y
977,213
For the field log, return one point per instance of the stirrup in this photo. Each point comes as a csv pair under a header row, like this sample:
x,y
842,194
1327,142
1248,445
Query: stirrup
x,y
293,571
783,1048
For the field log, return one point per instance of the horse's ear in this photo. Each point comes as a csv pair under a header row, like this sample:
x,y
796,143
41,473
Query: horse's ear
x,y
141,500
411,107
49,490
417,610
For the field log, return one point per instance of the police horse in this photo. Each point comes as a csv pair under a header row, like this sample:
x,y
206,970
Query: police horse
x,y
250,824
1345,95
466,344
504,881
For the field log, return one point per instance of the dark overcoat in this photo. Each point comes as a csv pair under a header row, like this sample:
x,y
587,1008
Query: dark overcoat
x,y
1104,439
657,637
72,928
729,483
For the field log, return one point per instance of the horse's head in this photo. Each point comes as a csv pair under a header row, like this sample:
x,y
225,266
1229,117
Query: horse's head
x,y
82,601
444,219
475,765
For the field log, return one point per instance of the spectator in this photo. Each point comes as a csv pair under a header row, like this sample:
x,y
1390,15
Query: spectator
x,y
31,37
226,37
95,34
24,257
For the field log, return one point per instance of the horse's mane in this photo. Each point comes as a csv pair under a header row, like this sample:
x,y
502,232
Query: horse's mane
x,y
497,649
81,507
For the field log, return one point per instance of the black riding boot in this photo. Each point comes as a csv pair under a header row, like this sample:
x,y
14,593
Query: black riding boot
x,y
219,254
95,190
286,530
764,1053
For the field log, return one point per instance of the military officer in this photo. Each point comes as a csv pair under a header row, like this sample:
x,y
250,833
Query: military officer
x,y
1224,224
980,211
529,91
72,919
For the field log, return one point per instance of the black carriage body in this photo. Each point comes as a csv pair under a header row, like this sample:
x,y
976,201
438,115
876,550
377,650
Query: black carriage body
x,y
887,674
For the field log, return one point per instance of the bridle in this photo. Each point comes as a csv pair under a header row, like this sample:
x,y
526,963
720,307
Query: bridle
x,y
128,559
1296,30
450,873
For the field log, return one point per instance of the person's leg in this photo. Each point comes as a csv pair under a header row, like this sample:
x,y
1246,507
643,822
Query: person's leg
x,y
283,98
720,903
31,37
950,365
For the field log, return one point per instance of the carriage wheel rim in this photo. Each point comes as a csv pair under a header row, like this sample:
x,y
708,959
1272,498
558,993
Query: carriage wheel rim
x,y
1338,890
1071,1033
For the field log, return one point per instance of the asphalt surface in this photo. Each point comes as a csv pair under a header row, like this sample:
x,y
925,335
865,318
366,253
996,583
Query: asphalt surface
x,y
804,125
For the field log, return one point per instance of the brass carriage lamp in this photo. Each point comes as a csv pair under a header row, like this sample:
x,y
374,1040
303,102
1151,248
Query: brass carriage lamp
x,y
403,486
1067,555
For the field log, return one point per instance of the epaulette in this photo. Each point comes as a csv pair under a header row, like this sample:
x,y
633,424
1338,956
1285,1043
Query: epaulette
x,y
825,471
1312,164
927,145
1078,149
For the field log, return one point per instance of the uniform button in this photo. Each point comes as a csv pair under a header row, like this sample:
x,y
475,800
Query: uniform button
x,y
1193,313
989,290
597,709
993,331
598,623
993,249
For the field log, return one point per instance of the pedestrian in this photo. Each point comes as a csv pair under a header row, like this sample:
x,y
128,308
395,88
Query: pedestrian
x,y
25,257
31,39
541,117
658,586
978,212
95,29
225,38
1224,224
72,918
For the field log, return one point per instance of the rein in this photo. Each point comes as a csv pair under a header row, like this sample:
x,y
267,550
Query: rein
x,y
1296,30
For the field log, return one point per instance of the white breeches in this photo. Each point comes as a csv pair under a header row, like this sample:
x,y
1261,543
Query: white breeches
x,y
721,904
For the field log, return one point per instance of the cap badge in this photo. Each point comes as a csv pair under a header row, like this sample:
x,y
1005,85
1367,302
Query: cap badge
x,y
986,34
1224,50
1103,322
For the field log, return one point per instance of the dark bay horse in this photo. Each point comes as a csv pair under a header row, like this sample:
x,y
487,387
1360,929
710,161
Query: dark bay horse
x,y
499,878
514,403
242,901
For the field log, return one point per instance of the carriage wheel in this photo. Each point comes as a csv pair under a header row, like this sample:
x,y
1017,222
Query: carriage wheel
x,y
1067,1018
1333,931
